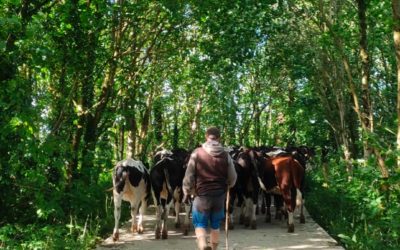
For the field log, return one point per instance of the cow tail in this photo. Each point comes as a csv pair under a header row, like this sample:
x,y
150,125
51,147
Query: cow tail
x,y
148,188
166,174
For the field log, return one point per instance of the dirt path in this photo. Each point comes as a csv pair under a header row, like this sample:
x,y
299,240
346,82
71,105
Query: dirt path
x,y
267,236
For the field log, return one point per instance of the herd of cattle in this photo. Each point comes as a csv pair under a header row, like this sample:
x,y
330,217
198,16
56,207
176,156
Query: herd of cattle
x,y
271,171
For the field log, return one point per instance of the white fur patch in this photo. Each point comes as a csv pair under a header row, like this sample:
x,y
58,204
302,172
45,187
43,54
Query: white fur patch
x,y
163,153
261,184
133,163
290,218
299,198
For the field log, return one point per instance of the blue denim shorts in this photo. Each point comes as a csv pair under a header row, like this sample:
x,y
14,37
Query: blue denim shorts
x,y
208,209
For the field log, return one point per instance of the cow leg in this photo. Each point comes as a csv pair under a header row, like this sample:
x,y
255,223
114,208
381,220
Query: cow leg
x,y
177,205
290,222
263,202
253,217
246,211
134,210
278,201
177,220
142,212
237,209
257,207
238,213
117,214
253,221
300,203
231,220
241,205
231,209
268,204
250,209
186,222
159,212
164,216
302,217
287,197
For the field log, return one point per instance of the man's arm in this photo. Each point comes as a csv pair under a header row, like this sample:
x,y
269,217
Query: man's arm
x,y
189,179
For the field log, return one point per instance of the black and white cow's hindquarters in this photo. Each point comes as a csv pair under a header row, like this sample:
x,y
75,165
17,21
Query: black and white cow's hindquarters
x,y
130,183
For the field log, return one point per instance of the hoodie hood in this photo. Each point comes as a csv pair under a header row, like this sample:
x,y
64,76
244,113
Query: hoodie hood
x,y
213,148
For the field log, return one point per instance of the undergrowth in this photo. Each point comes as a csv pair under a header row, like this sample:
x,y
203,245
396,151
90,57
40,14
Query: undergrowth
x,y
362,213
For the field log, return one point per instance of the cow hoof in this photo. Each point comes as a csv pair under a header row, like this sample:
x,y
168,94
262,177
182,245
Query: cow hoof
x,y
253,224
302,219
177,225
291,228
268,218
115,236
134,229
185,229
140,230
241,219
158,234
247,222
164,234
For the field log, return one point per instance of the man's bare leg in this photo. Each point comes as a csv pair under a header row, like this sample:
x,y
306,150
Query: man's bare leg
x,y
214,238
201,235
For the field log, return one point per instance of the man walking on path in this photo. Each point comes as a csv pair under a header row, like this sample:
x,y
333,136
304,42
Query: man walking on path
x,y
210,171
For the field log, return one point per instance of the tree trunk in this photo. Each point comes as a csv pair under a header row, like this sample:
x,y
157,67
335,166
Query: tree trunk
x,y
145,122
130,118
291,140
121,142
396,38
366,113
339,46
175,138
132,131
158,121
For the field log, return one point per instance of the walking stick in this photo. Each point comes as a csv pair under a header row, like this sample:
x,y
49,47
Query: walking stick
x,y
226,220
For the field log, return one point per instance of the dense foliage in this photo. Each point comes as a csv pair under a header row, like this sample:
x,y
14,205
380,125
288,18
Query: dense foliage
x,y
87,83
360,214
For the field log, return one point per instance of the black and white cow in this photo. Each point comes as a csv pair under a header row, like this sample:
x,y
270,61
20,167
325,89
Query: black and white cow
x,y
248,184
131,182
166,179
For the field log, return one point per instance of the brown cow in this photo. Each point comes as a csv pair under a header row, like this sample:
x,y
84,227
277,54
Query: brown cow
x,y
285,175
